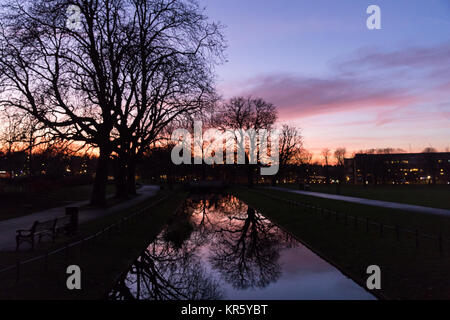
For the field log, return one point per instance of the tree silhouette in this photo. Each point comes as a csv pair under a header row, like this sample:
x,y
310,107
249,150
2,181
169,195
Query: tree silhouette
x,y
116,80
243,116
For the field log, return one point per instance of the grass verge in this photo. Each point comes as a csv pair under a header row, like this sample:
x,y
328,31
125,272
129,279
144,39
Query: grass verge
x,y
17,204
434,196
407,272
101,261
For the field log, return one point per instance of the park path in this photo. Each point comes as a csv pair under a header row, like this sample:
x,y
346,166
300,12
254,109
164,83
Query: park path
x,y
8,227
369,202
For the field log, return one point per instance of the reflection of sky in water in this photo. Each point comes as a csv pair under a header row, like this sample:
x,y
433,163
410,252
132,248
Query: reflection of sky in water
x,y
215,248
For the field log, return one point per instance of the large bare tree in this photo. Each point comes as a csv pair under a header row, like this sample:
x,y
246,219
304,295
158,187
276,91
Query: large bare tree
x,y
290,148
244,116
112,81
173,54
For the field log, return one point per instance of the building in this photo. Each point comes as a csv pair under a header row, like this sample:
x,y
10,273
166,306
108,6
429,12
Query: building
x,y
399,168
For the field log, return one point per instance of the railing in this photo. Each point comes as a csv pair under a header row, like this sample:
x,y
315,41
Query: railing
x,y
88,240
366,222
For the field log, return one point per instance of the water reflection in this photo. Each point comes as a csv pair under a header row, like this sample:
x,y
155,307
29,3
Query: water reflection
x,y
216,247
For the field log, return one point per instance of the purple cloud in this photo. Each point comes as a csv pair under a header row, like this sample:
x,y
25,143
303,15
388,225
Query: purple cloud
x,y
368,79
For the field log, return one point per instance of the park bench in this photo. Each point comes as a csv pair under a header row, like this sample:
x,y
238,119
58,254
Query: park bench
x,y
50,228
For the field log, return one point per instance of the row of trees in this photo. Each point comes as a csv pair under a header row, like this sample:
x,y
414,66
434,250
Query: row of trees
x,y
115,81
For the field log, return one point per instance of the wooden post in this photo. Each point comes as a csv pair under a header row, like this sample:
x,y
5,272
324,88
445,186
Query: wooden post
x,y
46,259
417,238
73,213
17,270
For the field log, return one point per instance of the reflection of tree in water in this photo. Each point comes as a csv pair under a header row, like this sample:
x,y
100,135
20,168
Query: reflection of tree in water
x,y
164,272
246,250
241,245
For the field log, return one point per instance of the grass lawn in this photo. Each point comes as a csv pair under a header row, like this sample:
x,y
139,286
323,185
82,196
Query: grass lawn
x,y
101,262
407,272
425,223
16,204
436,196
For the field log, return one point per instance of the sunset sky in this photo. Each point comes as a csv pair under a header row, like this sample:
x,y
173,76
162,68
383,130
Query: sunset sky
x,y
343,84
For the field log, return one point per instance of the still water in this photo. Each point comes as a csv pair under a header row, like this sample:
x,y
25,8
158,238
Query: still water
x,y
216,247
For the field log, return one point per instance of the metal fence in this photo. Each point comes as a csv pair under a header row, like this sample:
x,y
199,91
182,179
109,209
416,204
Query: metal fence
x,y
118,226
368,224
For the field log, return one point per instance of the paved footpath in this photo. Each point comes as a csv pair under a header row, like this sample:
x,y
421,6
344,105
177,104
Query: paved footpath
x,y
8,227
369,202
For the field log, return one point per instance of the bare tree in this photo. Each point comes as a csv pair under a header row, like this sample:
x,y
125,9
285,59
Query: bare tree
x,y
246,115
69,80
291,144
326,153
173,55
115,80
339,154
429,150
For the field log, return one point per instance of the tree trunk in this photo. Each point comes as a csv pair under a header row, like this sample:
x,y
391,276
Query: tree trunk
x,y
120,178
131,176
98,197
274,180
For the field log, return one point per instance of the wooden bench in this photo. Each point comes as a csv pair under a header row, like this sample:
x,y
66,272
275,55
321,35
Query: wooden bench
x,y
50,228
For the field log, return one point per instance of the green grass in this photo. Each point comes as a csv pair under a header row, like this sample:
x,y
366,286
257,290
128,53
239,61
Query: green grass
x,y
101,263
435,196
16,204
407,272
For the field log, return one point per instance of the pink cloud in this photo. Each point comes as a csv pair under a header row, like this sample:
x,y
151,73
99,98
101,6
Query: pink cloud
x,y
368,79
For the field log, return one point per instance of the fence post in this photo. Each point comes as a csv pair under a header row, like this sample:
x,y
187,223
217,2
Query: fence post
x,y
417,238
46,259
82,245
17,270
66,249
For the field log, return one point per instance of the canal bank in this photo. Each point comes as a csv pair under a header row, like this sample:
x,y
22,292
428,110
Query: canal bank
x,y
217,247
100,260
406,270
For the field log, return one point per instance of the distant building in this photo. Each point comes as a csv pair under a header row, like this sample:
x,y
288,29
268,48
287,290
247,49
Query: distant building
x,y
399,168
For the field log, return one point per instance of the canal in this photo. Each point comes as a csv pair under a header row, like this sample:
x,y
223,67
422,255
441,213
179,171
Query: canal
x,y
216,247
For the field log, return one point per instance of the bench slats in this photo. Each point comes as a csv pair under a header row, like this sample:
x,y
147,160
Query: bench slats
x,y
50,228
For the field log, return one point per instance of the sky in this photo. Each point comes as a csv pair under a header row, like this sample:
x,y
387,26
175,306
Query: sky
x,y
341,83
